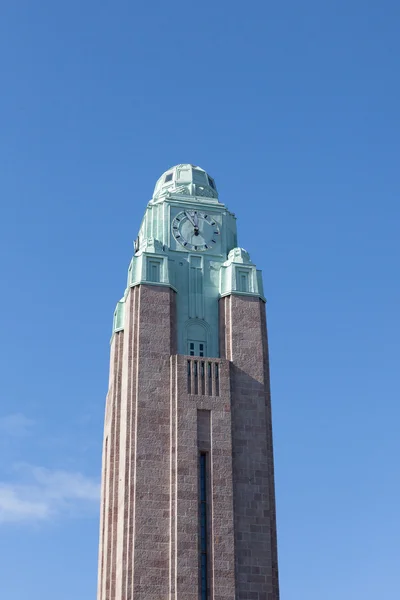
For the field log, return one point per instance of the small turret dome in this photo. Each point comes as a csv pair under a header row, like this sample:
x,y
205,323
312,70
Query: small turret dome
x,y
239,255
187,180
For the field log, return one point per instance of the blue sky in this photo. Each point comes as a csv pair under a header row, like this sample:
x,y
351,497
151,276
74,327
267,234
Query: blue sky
x,y
294,109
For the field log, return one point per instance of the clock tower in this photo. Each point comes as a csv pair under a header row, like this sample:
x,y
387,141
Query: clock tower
x,y
188,502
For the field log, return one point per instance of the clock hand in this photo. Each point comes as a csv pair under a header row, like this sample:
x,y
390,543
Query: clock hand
x,y
190,219
194,222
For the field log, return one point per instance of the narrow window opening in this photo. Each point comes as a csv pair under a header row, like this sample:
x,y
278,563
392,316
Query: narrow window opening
x,y
202,379
168,177
243,283
196,377
189,386
203,528
154,271
216,379
209,379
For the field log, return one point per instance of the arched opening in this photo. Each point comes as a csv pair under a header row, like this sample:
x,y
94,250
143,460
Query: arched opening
x,y
196,339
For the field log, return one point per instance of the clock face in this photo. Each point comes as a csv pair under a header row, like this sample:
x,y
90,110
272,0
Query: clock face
x,y
195,230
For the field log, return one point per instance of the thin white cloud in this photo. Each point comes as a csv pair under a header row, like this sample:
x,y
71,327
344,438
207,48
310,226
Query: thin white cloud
x,y
42,494
15,506
16,425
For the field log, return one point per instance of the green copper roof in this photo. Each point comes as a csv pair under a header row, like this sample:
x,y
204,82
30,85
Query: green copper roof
x,y
199,275
187,180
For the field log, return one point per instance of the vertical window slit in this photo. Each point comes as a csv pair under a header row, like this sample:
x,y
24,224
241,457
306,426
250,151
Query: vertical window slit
x,y
188,377
203,528
196,377
202,379
209,379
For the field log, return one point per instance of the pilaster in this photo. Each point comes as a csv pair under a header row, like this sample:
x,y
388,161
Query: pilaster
x,y
134,545
244,342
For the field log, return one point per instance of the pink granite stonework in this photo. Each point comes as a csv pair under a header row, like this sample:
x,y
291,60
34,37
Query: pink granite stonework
x,y
162,410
